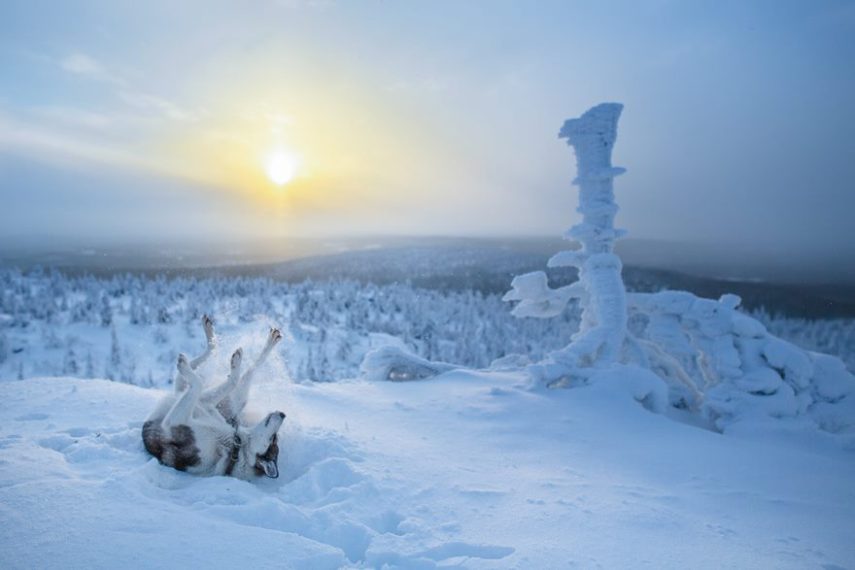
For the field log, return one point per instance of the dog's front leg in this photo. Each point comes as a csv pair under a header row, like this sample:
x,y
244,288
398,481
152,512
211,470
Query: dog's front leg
x,y
211,344
220,396
182,410
208,325
240,395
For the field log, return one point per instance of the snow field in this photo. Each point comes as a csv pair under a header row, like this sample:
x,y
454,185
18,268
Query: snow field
x,y
465,470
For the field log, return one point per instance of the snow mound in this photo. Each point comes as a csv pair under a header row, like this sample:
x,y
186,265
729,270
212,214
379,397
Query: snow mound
x,y
732,371
394,363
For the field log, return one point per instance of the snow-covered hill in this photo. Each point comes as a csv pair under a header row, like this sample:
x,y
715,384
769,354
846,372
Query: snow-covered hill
x,y
466,471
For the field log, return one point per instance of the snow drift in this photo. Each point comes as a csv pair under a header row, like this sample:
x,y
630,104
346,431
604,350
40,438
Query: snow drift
x,y
728,367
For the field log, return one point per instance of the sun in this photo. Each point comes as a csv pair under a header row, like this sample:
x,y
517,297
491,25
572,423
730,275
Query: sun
x,y
281,166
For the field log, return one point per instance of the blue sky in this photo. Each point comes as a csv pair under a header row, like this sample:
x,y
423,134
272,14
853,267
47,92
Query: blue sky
x,y
124,121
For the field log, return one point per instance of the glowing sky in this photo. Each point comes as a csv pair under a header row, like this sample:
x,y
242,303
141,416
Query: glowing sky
x,y
126,120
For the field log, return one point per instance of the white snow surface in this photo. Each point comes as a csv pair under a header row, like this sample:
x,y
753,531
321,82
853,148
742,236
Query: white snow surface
x,y
467,470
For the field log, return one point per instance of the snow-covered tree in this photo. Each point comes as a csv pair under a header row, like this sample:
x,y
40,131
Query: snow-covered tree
x,y
69,365
90,365
600,287
106,311
714,360
51,337
113,368
4,347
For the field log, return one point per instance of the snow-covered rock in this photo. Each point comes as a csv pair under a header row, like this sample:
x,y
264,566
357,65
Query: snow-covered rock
x,y
398,365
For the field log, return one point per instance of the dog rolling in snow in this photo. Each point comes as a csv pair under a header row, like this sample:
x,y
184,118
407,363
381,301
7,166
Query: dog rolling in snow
x,y
199,431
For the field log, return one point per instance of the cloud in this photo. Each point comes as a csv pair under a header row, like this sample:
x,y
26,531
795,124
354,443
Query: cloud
x,y
147,101
74,118
86,66
81,64
49,144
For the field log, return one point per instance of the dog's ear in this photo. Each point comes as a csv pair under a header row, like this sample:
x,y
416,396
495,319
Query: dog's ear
x,y
270,468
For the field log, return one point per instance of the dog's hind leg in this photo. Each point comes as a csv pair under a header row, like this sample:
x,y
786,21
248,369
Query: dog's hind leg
x,y
220,394
208,325
211,344
237,399
182,409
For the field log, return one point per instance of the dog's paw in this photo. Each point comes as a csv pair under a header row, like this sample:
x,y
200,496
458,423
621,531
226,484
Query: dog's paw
x,y
276,418
208,325
183,364
237,357
275,336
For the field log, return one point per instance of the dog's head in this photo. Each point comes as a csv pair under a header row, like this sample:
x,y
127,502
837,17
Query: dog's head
x,y
264,445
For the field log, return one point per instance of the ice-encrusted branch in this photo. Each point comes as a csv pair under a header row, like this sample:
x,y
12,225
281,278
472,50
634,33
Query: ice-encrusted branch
x,y
537,299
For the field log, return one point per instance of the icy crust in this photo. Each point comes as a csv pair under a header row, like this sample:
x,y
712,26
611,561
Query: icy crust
x,y
738,372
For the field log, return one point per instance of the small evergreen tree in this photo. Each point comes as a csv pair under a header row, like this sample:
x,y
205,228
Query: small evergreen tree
x,y
4,347
106,311
70,367
113,368
90,365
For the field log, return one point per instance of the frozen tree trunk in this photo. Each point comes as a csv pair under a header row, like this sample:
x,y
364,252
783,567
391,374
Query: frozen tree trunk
x,y
603,328
600,288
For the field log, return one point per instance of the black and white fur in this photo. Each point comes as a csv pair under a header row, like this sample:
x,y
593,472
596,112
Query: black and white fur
x,y
199,431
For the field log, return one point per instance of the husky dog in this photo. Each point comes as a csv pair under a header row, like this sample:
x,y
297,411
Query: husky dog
x,y
199,431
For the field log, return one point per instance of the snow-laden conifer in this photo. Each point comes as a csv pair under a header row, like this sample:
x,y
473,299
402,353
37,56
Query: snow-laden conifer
x,y
600,287
718,363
